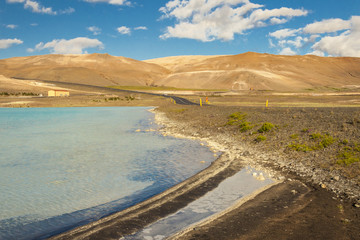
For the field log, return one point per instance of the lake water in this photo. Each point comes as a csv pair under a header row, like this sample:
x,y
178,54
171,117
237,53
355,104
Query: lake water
x,y
65,167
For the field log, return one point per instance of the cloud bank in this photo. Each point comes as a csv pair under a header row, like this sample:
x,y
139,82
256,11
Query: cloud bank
x,y
329,37
209,20
36,7
113,2
6,43
72,46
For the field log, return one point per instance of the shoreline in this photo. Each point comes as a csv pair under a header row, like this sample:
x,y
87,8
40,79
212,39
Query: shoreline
x,y
223,167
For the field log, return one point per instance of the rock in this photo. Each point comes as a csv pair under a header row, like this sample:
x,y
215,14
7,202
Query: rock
x,y
294,191
322,185
357,205
337,178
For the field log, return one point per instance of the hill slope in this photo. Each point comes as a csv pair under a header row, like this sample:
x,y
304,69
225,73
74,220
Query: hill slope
x,y
261,72
235,72
93,69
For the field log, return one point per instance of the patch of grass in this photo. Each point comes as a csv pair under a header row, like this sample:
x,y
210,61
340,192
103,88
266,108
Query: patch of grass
x,y
349,155
344,142
324,141
305,130
318,142
294,136
236,118
164,88
300,147
6,94
315,136
239,119
266,127
245,126
260,138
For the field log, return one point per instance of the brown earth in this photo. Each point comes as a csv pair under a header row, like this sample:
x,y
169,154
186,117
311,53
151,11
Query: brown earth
x,y
319,200
234,72
261,72
92,69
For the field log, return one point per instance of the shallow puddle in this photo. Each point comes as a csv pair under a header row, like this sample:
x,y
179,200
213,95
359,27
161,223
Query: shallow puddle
x,y
225,195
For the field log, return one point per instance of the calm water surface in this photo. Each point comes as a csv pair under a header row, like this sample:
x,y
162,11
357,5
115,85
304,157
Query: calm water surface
x,y
64,167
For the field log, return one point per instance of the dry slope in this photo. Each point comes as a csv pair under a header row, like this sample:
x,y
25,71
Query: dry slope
x,y
93,69
261,72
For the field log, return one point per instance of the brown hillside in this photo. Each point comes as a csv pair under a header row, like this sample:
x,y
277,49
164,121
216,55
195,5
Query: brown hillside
x,y
94,69
236,72
261,72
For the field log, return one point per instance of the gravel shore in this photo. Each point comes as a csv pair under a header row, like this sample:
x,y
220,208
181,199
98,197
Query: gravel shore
x,y
319,196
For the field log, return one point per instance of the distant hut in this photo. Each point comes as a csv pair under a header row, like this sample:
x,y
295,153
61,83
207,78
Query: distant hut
x,y
58,93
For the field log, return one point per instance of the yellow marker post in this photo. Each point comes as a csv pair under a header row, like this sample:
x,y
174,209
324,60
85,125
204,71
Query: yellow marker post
x,y
200,103
267,103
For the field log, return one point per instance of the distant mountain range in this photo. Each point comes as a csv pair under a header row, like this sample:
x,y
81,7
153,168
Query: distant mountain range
x,y
234,72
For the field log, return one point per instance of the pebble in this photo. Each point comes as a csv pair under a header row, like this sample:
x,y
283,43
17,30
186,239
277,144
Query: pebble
x,y
322,185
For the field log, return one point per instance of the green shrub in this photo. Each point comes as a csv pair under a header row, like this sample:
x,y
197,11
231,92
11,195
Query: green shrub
x,y
305,130
245,126
300,147
266,127
236,118
346,157
294,136
315,136
260,138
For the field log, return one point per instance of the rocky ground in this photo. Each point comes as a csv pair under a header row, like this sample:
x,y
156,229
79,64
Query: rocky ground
x,y
314,150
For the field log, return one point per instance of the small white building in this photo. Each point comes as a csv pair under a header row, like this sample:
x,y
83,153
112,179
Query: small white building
x,y
58,93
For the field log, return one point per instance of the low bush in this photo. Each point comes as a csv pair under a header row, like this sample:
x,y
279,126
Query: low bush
x,y
260,138
266,127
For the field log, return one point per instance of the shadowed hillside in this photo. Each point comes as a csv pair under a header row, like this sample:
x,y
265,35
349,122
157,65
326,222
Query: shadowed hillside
x,y
235,72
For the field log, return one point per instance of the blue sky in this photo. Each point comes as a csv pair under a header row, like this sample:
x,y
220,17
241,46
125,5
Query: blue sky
x,y
145,29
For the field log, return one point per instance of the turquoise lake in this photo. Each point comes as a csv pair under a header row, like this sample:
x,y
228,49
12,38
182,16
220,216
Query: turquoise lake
x,y
65,167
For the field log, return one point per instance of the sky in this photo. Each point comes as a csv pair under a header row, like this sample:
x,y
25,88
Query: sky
x,y
146,29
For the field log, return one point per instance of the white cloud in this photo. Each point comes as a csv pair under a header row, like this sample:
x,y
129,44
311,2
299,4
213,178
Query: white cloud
x,y
327,26
95,30
6,43
113,2
141,28
209,20
276,20
124,30
72,46
36,7
287,51
317,53
284,33
298,42
345,44
11,26
329,37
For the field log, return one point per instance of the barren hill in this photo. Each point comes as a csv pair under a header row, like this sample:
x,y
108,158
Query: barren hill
x,y
261,72
93,69
235,72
